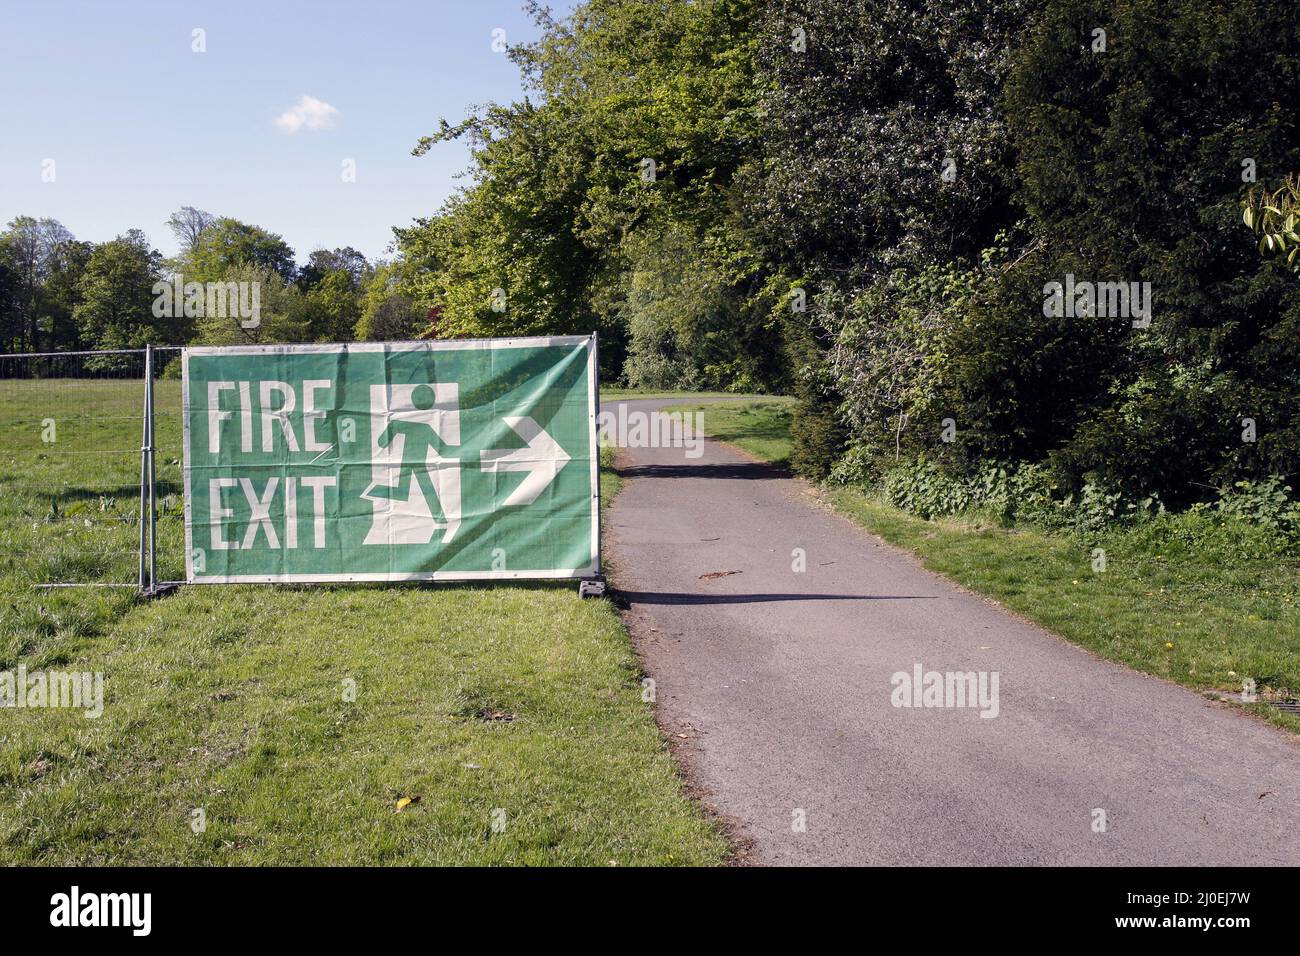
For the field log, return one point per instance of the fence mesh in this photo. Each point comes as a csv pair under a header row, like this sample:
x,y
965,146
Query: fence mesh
x,y
70,435
169,483
71,429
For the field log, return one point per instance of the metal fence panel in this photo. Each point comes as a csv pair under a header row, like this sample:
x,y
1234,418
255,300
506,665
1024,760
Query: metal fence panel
x,y
71,426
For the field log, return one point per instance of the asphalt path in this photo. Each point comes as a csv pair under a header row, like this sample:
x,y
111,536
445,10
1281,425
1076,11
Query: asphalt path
x,y
777,688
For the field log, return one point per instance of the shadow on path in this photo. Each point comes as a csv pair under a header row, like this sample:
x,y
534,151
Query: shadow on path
x,y
668,597
741,469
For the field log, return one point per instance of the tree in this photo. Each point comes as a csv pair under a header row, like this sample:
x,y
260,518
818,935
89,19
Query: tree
x,y
281,314
388,314
1273,217
332,307
332,283
321,262
31,249
188,226
116,290
10,308
226,243
61,294
1131,165
636,119
886,157
885,142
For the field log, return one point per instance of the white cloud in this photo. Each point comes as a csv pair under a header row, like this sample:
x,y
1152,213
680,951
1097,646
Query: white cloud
x,y
309,113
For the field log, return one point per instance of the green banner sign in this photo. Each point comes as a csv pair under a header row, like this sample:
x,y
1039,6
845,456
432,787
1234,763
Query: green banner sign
x,y
391,462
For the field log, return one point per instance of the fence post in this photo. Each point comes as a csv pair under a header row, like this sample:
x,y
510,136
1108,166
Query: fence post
x,y
153,514
144,470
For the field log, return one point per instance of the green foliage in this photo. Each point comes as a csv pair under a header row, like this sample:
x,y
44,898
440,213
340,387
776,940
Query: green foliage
x,y
604,200
333,307
283,312
1130,166
40,271
387,314
860,121
1031,495
868,105
863,202
1265,504
117,296
1119,165
227,243
682,316
816,433
1272,217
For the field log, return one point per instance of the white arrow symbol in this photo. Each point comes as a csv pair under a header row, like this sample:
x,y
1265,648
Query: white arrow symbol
x,y
542,459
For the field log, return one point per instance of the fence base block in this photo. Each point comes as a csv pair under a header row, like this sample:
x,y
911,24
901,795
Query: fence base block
x,y
594,588
160,590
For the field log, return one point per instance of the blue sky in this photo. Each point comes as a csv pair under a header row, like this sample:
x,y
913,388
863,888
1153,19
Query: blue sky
x,y
139,125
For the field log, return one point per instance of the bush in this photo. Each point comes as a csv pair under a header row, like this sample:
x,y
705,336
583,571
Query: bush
x,y
1028,494
816,438
1264,504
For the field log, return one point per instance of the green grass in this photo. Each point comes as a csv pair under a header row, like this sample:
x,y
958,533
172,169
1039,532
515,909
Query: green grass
x,y
516,703
1204,605
759,426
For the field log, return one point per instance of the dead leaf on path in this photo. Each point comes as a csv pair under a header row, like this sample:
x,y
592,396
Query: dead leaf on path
x,y
406,802
714,575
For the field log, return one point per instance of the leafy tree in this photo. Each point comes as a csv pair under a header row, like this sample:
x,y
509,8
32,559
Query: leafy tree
x,y
1272,216
332,283
388,314
116,291
281,311
332,307
689,326
637,117
10,308
226,243
31,249
1130,163
864,102
322,262
61,294
887,163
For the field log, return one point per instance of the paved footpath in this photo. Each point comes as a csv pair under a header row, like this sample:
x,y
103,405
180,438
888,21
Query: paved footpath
x,y
781,683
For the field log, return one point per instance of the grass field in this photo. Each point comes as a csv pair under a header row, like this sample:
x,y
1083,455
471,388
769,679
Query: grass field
x,y
1180,598
513,713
